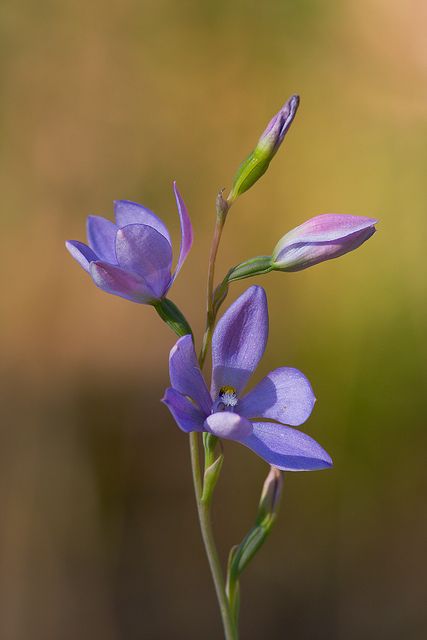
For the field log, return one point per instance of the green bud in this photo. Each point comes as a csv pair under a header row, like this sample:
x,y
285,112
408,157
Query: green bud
x,y
266,516
256,164
249,172
248,549
210,478
213,466
270,495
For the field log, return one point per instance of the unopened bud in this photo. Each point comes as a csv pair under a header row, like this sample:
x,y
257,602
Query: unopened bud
x,y
256,164
270,495
321,238
222,206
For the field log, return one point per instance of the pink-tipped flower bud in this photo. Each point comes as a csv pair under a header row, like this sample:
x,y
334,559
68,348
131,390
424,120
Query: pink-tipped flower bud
x,y
321,238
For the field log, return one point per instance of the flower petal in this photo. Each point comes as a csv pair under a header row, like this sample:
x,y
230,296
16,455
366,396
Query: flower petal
x,y
82,253
187,416
186,230
113,279
286,448
284,395
327,227
145,252
185,374
101,234
226,424
128,212
278,126
239,340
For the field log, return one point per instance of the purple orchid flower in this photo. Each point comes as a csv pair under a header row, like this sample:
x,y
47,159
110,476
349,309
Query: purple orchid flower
x,y
321,238
258,419
133,257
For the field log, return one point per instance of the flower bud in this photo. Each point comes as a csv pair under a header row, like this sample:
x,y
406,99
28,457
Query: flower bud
x,y
321,238
243,553
256,164
270,496
210,478
277,128
222,206
213,466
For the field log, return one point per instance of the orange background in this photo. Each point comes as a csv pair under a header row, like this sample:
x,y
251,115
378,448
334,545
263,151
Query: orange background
x,y
100,101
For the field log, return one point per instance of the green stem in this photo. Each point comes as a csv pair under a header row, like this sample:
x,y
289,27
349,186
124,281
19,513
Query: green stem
x,y
203,507
257,266
210,312
208,539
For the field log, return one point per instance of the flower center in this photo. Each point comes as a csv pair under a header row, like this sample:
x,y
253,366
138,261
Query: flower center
x,y
228,397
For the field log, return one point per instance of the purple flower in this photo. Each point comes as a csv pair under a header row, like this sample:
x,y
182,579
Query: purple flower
x,y
284,397
133,257
321,238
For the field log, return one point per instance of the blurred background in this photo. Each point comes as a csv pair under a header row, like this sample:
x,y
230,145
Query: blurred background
x,y
101,101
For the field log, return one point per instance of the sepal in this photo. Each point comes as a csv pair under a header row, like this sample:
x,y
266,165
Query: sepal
x,y
254,267
169,313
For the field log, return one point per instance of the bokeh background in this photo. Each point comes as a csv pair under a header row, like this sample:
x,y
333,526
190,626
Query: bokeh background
x,y
98,532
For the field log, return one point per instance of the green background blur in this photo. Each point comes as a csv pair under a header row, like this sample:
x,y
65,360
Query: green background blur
x,y
100,101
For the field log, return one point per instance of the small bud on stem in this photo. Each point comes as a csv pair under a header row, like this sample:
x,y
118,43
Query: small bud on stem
x,y
222,206
256,164
242,554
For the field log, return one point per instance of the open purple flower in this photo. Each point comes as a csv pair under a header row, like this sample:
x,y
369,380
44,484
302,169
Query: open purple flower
x,y
321,238
258,419
133,257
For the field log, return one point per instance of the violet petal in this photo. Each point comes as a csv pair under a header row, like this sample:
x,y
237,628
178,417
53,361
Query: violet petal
x,y
187,416
284,395
82,253
327,227
185,374
101,234
286,448
226,424
127,212
279,125
239,340
145,252
114,279
186,230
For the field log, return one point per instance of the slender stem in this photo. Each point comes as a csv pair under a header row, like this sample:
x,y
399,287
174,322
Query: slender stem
x,y
208,539
210,316
205,345
203,508
220,220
